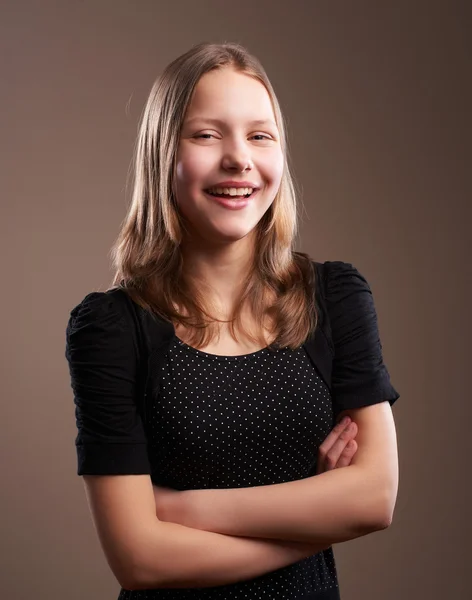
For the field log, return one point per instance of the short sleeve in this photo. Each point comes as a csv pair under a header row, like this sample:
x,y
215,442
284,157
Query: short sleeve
x,y
359,377
102,357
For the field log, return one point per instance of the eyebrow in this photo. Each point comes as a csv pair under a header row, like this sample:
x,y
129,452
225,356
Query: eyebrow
x,y
260,122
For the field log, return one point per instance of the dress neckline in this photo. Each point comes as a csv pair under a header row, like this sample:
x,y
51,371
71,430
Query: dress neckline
x,y
218,356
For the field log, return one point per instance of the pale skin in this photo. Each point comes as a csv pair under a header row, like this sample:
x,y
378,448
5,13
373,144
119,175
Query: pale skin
x,y
229,133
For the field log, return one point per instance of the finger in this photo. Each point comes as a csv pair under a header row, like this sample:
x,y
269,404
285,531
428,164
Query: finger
x,y
333,435
347,454
339,445
328,442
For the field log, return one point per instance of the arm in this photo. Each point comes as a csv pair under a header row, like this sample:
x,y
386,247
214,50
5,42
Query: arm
x,y
337,505
112,456
144,552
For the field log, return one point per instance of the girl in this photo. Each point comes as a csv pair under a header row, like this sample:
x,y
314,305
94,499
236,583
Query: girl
x,y
216,496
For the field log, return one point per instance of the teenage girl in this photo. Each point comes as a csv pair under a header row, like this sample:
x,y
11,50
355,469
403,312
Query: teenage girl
x,y
216,498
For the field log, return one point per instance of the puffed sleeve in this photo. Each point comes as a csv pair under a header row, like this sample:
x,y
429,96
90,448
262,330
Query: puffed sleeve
x,y
359,377
102,357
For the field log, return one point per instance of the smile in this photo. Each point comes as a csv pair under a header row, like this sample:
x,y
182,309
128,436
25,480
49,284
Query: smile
x,y
231,193
232,202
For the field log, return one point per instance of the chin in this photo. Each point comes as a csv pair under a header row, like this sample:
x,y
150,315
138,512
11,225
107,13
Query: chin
x,y
229,235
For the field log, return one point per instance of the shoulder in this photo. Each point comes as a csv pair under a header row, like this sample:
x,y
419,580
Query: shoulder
x,y
98,307
349,300
106,378
343,278
338,280
100,321
360,376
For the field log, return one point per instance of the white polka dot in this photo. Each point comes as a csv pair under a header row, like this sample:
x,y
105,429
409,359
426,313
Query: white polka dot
x,y
238,421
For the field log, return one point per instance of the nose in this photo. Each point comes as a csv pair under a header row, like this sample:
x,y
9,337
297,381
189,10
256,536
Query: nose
x,y
237,158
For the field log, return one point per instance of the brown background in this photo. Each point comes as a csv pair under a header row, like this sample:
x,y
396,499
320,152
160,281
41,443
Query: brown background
x,y
377,96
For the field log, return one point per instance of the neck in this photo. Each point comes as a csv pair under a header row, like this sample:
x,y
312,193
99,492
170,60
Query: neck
x,y
221,269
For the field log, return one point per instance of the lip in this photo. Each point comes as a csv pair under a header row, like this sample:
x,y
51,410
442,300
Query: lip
x,y
235,184
232,204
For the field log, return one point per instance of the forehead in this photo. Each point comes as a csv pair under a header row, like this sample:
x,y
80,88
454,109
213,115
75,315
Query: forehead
x,y
229,95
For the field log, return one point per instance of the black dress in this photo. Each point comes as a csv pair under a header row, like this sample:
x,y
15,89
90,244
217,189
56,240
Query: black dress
x,y
226,421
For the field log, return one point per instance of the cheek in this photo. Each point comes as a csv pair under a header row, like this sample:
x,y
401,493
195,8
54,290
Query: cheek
x,y
191,168
273,168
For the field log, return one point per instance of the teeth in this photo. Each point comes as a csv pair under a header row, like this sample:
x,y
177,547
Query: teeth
x,y
231,191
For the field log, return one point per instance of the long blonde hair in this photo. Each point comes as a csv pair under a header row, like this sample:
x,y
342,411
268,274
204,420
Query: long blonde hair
x,y
146,255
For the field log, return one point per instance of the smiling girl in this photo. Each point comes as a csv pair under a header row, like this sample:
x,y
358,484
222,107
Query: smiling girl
x,y
246,473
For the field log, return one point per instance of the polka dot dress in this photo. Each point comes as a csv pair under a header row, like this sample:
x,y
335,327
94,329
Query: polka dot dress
x,y
239,421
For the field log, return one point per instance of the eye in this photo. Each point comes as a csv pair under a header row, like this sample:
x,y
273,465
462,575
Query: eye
x,y
261,137
204,136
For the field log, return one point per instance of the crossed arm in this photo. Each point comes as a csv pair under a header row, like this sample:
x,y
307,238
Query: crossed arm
x,y
336,505
234,535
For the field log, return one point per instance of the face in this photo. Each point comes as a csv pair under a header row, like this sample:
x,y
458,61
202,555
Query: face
x,y
229,143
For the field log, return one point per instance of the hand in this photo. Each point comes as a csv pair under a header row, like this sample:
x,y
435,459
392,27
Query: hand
x,y
339,447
